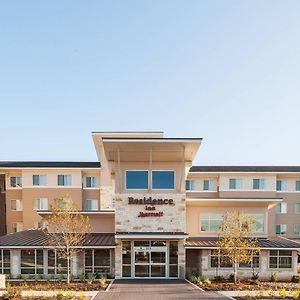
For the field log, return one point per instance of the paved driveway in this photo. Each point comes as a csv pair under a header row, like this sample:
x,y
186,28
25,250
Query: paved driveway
x,y
154,289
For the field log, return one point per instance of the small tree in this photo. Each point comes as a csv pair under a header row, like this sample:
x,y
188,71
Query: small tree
x,y
67,229
235,242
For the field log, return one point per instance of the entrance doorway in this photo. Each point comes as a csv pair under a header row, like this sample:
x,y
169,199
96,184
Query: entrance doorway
x,y
150,259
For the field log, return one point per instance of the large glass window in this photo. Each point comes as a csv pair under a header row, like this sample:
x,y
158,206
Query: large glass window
x,y
64,180
259,184
235,184
211,222
163,180
136,180
126,259
219,261
297,185
5,261
40,204
190,185
281,208
173,259
97,261
39,179
253,264
15,181
258,226
91,181
28,261
281,185
281,229
280,259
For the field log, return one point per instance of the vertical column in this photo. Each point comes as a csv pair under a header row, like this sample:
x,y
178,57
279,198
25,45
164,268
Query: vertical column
x,y
263,264
45,261
181,259
15,263
118,259
112,262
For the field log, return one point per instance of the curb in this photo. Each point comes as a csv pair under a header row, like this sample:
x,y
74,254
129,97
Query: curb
x,y
109,286
194,285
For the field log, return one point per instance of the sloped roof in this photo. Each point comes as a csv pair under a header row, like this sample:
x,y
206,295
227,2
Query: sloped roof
x,y
49,164
245,169
267,243
39,238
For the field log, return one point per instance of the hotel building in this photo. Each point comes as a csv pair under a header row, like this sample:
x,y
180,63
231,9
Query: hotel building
x,y
153,214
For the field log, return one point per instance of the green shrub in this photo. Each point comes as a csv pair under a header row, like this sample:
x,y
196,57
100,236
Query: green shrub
x,y
296,279
12,294
274,277
69,294
102,281
283,293
60,295
219,278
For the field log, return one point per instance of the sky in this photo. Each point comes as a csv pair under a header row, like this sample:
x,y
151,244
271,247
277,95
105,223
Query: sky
x,y
226,71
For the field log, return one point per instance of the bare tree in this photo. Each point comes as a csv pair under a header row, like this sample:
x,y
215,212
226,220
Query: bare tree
x,y
236,243
67,230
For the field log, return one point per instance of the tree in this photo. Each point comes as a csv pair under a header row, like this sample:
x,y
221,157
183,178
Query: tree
x,y
68,229
236,243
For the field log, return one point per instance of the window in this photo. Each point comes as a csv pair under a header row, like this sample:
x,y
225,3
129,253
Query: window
x,y
190,185
39,179
163,180
32,261
136,180
173,259
16,205
64,180
297,185
258,226
281,208
16,181
208,185
297,229
259,184
211,222
40,204
97,261
91,181
235,184
5,262
297,208
280,259
253,264
91,204
16,227
219,261
41,224
281,229
281,185
126,259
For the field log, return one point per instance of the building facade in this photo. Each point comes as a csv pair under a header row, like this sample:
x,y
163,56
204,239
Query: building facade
x,y
153,214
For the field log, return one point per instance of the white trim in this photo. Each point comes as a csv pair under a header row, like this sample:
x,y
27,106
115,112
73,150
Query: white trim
x,y
151,236
151,140
231,200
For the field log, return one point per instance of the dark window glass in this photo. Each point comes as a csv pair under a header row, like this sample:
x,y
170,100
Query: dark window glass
x,y
137,180
173,259
27,262
88,257
101,258
51,262
163,180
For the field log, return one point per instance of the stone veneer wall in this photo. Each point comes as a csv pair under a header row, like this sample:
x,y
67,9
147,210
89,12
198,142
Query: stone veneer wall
x,y
106,198
173,219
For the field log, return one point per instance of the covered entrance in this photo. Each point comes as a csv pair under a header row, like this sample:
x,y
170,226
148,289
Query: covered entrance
x,y
149,259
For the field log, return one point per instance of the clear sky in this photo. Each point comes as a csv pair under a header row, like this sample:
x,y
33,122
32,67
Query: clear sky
x,y
227,71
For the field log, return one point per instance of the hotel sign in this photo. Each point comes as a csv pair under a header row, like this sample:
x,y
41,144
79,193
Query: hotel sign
x,y
150,206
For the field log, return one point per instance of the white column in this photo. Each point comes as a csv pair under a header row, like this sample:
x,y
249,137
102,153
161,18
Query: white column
x,y
15,263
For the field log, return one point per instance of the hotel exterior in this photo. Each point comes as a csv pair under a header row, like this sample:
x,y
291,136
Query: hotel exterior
x,y
153,214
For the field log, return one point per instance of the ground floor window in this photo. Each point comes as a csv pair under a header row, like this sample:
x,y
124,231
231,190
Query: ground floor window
x,y
56,264
32,261
280,259
173,259
5,262
219,261
97,261
253,264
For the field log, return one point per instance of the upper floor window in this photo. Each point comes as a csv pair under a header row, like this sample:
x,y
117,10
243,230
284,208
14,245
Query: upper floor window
x,y
136,180
64,180
208,185
91,204
91,181
297,229
281,208
39,179
40,204
190,185
41,224
297,185
16,227
16,205
163,180
211,222
259,184
235,184
15,181
297,208
280,259
281,185
259,221
281,229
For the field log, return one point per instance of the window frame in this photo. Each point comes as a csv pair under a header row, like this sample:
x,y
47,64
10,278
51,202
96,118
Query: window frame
x,y
209,221
294,226
260,180
210,188
219,261
236,186
190,183
283,185
35,263
280,230
278,256
64,180
95,182
295,210
2,267
93,200
20,205
164,189
93,266
16,185
39,179
297,184
136,189
38,207
280,205
252,215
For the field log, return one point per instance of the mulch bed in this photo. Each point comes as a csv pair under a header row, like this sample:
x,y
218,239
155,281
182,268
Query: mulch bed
x,y
57,286
250,286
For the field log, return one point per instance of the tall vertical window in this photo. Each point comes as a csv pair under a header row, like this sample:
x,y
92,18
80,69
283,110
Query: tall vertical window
x,y
190,185
90,181
91,204
5,262
297,185
39,179
208,185
97,261
235,184
297,229
136,180
281,259
126,259
64,180
281,229
15,181
281,185
259,184
40,204
16,205
163,180
297,208
32,261
211,222
281,208
173,259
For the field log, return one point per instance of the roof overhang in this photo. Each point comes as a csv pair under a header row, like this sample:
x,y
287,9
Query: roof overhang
x,y
151,235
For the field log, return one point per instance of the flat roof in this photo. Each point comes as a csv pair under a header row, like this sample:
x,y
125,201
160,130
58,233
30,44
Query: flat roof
x,y
220,169
49,164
